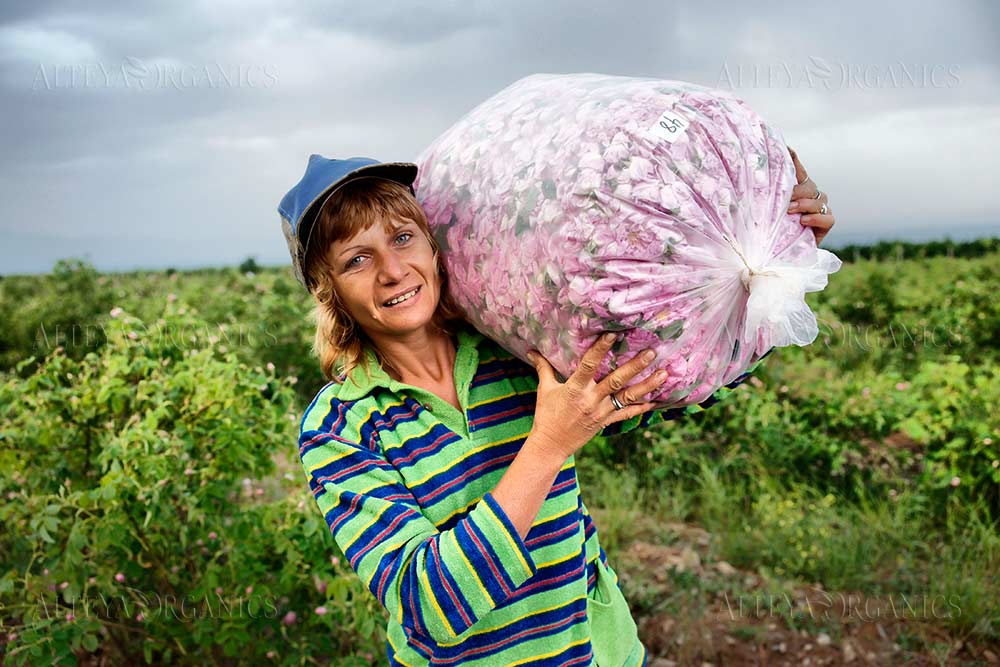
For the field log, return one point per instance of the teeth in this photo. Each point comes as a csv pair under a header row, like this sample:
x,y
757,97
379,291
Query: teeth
x,y
400,299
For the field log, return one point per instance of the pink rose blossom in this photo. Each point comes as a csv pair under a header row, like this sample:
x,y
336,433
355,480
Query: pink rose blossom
x,y
320,610
289,618
120,578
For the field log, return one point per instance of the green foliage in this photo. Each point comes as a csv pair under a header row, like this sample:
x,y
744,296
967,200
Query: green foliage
x,y
869,458
40,314
142,518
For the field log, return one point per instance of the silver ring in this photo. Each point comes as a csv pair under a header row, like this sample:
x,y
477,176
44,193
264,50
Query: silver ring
x,y
819,193
618,405
823,209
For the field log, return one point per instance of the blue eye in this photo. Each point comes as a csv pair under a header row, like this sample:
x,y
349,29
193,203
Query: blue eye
x,y
351,264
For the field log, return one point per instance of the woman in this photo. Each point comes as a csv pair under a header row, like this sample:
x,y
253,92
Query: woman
x,y
443,464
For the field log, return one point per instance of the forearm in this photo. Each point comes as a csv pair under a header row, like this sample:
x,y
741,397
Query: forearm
x,y
523,488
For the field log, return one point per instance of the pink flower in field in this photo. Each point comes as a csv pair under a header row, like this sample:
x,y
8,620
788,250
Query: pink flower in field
x,y
320,611
368,656
270,367
120,578
271,655
45,571
52,587
218,590
64,585
171,297
987,441
92,580
955,481
132,335
116,311
902,385
260,492
289,618
199,541
213,535
866,392
249,590
140,617
334,561
188,471
70,617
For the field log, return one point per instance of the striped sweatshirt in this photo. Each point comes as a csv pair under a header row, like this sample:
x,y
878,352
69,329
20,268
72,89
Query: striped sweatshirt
x,y
404,482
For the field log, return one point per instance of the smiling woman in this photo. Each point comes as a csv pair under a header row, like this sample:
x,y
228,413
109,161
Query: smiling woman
x,y
370,244
443,464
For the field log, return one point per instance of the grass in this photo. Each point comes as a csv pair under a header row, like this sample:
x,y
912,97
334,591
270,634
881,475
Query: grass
x,y
791,535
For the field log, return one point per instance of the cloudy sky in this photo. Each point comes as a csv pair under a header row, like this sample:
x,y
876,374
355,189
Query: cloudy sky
x,y
155,134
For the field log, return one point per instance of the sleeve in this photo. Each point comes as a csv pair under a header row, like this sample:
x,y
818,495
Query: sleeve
x,y
651,417
437,584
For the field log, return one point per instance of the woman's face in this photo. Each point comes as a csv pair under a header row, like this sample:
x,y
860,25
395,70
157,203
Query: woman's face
x,y
375,266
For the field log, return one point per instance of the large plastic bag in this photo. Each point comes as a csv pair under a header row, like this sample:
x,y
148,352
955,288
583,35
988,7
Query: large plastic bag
x,y
568,205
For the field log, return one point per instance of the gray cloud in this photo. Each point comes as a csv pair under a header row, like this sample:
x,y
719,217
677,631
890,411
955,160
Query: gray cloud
x,y
187,121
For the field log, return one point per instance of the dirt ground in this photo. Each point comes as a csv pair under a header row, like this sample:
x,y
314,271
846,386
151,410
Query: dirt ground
x,y
720,615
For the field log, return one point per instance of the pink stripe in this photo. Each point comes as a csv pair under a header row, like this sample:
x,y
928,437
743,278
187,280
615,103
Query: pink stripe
x,y
493,648
388,530
496,416
444,581
466,475
489,561
424,449
550,536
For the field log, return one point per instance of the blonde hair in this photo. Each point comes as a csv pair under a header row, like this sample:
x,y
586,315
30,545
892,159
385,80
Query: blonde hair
x,y
340,343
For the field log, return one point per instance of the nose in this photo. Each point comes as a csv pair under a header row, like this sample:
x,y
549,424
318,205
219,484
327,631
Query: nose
x,y
392,269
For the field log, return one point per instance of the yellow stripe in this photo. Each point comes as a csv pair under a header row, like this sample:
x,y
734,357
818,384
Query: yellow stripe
x,y
493,399
513,545
437,607
328,461
548,655
537,612
458,547
465,510
457,462
557,561
540,519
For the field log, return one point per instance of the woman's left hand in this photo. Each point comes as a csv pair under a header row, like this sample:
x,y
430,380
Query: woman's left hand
x,y
808,200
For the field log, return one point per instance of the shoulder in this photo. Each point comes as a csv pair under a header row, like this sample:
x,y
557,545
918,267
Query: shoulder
x,y
331,412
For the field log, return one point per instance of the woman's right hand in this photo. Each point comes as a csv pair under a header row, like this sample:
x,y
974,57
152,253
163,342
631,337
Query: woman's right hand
x,y
569,414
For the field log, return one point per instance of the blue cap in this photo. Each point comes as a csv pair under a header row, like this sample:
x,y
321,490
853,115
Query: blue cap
x,y
300,206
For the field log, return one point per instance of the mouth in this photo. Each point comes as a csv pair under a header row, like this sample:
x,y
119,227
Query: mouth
x,y
403,299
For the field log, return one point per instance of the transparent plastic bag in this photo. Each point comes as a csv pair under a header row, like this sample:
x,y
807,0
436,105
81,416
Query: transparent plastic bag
x,y
569,205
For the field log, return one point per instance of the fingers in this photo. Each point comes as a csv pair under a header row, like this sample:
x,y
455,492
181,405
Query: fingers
x,y
542,365
591,361
638,391
801,176
820,224
807,189
617,379
809,204
628,412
